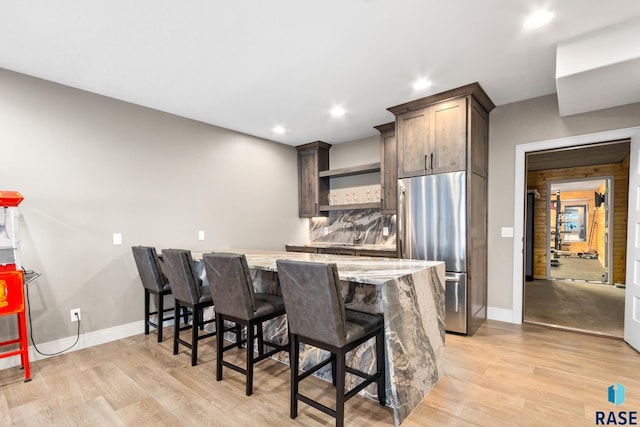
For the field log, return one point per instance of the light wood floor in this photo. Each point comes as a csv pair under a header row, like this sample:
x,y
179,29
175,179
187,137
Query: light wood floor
x,y
505,375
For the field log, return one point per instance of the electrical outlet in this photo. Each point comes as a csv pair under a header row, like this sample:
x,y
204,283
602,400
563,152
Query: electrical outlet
x,y
326,231
75,314
385,231
201,235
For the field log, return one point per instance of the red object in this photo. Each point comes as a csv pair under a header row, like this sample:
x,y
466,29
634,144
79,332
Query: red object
x,y
12,302
12,297
10,198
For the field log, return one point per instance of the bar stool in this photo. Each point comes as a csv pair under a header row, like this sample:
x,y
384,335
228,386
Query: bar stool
x,y
316,315
236,301
155,283
187,292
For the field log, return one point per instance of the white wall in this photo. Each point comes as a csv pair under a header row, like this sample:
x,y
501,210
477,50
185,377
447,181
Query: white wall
x,y
89,166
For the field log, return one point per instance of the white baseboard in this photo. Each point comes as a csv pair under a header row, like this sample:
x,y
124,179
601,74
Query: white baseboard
x,y
86,340
500,314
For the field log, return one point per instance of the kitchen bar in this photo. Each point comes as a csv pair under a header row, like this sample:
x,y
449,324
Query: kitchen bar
x,y
410,296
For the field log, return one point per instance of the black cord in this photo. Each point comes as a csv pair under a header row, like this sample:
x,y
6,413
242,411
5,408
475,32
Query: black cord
x,y
31,330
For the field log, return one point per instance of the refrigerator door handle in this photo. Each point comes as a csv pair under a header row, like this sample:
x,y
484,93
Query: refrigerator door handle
x,y
457,298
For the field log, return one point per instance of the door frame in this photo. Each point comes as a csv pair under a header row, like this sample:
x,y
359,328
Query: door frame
x,y
520,194
609,181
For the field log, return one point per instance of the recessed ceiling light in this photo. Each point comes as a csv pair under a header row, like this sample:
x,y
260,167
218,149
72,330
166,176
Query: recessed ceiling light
x,y
279,129
338,111
538,19
421,84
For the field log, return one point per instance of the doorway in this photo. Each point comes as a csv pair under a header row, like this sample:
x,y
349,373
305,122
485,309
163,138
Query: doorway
x,y
573,239
578,223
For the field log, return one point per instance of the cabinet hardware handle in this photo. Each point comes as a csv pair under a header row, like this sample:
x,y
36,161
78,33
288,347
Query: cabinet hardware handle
x,y
316,208
431,163
426,165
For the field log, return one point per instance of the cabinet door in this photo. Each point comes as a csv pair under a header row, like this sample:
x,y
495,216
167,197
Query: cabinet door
x,y
413,143
312,158
337,251
389,172
307,183
305,249
448,146
478,138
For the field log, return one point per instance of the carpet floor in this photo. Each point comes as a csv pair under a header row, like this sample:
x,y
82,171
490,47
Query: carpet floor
x,y
589,307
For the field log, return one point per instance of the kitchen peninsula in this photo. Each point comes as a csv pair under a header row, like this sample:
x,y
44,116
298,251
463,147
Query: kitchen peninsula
x,y
410,296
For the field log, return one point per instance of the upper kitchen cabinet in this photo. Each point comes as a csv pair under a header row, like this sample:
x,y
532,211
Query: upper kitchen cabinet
x,y
312,159
388,168
445,132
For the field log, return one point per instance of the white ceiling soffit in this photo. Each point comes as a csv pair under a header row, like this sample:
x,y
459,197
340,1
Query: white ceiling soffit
x,y
600,69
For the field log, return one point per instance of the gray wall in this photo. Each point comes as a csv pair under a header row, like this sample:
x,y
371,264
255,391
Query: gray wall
x,y
89,166
523,122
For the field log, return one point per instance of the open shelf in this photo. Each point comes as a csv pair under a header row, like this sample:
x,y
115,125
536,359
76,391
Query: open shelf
x,y
328,208
354,170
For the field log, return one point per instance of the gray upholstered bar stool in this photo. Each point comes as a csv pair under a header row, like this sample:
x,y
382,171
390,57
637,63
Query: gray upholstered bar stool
x,y
187,292
236,301
155,283
317,317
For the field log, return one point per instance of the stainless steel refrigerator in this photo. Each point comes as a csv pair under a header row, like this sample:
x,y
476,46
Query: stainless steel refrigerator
x,y
432,225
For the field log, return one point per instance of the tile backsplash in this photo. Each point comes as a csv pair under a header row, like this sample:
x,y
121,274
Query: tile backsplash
x,y
370,223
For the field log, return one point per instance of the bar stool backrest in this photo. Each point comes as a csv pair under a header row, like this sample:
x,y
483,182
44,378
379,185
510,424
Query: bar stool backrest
x,y
313,301
149,268
182,275
231,284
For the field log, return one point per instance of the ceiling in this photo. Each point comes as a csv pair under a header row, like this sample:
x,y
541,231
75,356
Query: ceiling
x,y
251,65
584,155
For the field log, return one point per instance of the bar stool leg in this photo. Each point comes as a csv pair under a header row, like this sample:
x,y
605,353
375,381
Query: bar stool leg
x,y
219,345
147,301
340,383
195,324
160,320
293,361
250,338
176,327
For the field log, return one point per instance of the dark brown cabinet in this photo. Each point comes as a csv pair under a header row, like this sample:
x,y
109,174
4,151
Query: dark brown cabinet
x,y
339,250
312,191
298,248
445,132
432,139
388,168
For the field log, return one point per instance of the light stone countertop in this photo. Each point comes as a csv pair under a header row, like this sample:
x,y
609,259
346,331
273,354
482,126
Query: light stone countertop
x,y
359,269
